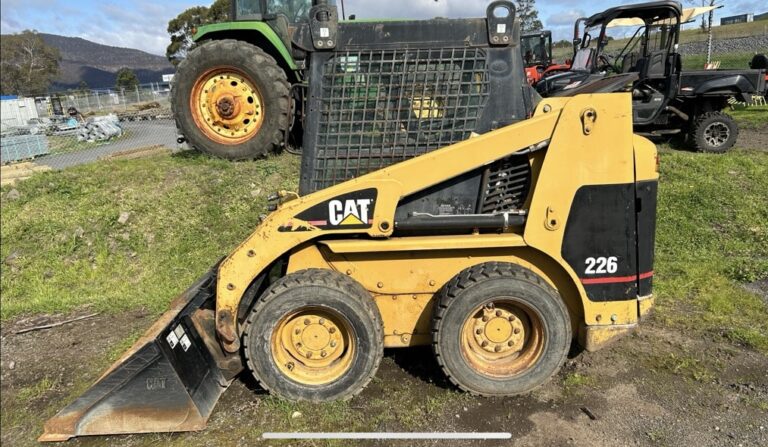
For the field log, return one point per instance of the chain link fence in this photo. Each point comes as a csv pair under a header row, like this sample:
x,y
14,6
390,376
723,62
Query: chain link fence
x,y
76,127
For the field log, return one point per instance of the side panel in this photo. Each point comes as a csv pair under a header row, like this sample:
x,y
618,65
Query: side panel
x,y
599,241
646,234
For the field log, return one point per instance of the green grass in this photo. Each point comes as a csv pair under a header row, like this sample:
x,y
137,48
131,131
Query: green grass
x,y
727,60
753,117
37,390
713,235
684,365
574,383
186,212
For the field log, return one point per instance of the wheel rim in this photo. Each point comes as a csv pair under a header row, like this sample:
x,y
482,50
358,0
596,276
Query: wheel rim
x,y
226,106
313,346
716,134
502,338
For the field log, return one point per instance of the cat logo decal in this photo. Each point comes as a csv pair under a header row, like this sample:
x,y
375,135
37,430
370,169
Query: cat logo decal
x,y
349,211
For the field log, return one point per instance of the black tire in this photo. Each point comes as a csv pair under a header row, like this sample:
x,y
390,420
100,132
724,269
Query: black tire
x,y
262,70
713,132
326,290
471,290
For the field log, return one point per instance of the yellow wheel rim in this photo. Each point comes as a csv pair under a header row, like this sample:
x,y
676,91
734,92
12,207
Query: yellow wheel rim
x,y
502,338
313,346
226,106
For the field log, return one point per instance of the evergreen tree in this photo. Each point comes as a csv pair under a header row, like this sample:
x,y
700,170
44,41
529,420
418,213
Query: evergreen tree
x,y
528,15
126,79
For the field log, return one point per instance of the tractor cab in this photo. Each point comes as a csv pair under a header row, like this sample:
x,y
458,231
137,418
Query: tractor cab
x,y
295,11
536,49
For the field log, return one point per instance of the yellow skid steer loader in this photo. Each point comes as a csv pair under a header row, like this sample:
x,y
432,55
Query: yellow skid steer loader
x,y
497,250
308,302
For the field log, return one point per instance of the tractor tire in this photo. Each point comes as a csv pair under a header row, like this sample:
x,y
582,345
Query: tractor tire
x,y
500,330
314,335
713,132
231,100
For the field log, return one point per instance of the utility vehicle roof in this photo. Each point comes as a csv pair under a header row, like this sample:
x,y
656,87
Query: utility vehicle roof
x,y
651,11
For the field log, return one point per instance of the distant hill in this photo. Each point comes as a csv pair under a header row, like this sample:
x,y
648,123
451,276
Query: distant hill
x,y
97,64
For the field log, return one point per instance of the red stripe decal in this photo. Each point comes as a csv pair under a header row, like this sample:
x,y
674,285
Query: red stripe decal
x,y
318,223
615,279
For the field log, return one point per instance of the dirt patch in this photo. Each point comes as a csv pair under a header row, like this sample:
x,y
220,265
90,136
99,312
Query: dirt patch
x,y
656,387
755,138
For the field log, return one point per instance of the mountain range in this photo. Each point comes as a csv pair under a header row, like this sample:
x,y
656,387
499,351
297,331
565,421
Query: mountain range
x,y
97,64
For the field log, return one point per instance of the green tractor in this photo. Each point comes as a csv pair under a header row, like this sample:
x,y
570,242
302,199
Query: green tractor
x,y
233,95
354,95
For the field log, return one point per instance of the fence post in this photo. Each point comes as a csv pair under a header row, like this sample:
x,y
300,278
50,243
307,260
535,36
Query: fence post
x,y
138,96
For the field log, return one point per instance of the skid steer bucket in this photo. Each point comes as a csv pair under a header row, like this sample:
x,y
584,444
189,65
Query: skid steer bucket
x,y
168,381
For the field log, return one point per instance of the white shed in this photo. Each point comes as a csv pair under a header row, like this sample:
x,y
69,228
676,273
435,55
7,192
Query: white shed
x,y
16,112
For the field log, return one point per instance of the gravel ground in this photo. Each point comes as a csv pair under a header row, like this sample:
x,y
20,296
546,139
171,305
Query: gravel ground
x,y
756,44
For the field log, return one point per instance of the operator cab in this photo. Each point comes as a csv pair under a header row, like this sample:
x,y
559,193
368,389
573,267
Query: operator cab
x,y
537,49
649,33
294,11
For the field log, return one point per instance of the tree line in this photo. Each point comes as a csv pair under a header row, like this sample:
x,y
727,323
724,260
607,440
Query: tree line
x,y
28,66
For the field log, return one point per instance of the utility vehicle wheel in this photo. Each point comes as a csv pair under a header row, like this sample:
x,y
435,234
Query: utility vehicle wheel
x,y
314,335
231,100
499,330
714,132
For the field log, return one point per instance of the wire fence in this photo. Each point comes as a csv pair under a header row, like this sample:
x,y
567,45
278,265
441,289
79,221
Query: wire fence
x,y
77,127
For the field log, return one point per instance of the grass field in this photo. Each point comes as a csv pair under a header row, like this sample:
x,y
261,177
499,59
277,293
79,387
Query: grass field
x,y
63,247
67,248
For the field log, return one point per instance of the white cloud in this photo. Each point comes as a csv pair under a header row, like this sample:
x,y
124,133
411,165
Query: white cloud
x,y
568,17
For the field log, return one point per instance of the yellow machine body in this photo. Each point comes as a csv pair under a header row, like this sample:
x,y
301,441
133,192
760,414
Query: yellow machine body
x,y
403,273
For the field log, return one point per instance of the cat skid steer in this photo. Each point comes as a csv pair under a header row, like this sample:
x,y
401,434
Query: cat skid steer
x,y
307,303
441,203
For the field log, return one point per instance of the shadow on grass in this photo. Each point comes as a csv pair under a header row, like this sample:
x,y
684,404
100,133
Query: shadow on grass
x,y
191,154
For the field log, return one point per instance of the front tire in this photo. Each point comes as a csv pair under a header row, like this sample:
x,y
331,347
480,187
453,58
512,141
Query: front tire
x,y
500,330
714,132
314,335
231,100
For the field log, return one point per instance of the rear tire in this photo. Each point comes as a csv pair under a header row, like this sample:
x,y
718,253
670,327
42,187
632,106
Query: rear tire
x,y
500,330
713,132
236,131
314,335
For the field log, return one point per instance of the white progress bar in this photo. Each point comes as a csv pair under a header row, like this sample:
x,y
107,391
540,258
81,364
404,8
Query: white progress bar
x,y
403,435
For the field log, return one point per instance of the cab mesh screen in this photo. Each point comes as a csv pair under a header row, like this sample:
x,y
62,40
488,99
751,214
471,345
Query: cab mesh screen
x,y
381,107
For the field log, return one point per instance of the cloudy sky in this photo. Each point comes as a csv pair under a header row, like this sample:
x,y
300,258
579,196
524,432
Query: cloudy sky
x,y
142,23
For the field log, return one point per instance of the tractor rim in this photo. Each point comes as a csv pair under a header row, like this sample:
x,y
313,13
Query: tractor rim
x,y
227,106
313,346
502,338
716,134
